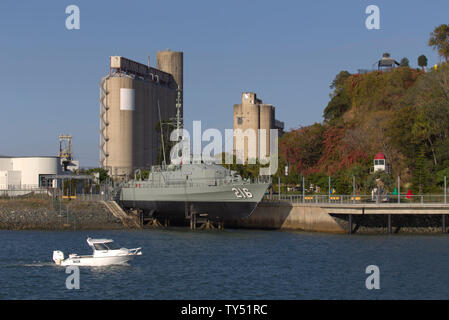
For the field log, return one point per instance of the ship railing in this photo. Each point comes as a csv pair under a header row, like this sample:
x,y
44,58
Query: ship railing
x,y
197,183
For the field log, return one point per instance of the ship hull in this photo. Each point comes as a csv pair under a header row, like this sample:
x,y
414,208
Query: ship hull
x,y
177,203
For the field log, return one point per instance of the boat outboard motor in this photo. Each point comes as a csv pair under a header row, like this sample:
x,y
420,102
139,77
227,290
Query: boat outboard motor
x,y
58,257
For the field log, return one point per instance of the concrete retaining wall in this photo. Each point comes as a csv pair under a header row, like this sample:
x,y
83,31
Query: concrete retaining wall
x,y
288,216
305,217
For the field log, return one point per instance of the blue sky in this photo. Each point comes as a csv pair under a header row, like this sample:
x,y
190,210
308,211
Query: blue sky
x,y
287,52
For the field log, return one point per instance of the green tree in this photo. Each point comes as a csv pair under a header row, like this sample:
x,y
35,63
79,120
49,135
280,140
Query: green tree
x,y
440,177
404,62
339,104
103,173
143,175
430,98
244,170
339,80
420,178
399,132
381,179
340,101
439,40
422,61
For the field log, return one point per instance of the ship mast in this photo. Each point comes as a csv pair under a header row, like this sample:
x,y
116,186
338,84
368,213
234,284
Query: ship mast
x,y
178,123
162,134
178,114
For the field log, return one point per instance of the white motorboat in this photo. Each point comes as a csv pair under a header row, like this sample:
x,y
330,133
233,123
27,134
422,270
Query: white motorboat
x,y
104,254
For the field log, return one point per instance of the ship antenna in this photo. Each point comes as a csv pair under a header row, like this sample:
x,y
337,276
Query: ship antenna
x,y
178,113
162,132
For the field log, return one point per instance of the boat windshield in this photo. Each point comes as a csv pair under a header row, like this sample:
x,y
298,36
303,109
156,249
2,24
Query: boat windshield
x,y
113,246
100,246
104,246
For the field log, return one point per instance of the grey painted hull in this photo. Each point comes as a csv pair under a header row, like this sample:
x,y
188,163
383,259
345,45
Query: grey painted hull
x,y
234,201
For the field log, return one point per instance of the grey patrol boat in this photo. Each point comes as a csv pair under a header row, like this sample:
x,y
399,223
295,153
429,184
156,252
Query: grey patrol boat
x,y
175,191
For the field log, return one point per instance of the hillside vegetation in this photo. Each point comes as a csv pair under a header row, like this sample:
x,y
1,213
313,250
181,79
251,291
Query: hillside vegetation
x,y
403,113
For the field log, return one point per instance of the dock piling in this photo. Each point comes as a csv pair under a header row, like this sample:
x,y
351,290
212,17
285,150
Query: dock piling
x,y
443,222
389,223
350,224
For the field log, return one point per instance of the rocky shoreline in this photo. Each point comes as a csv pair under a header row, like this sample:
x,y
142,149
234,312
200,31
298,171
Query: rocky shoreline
x,y
38,214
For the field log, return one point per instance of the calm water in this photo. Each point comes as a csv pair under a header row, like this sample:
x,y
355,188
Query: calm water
x,y
230,264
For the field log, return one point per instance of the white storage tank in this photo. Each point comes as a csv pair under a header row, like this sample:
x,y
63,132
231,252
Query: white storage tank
x,y
33,168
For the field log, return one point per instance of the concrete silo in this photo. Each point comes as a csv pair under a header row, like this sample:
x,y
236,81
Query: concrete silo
x,y
246,116
118,140
172,63
254,115
266,122
129,113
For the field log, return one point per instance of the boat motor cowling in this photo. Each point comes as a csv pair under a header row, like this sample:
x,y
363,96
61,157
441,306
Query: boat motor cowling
x,y
58,257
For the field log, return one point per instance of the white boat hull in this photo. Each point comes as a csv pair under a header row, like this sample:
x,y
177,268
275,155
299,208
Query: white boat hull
x,y
106,257
97,261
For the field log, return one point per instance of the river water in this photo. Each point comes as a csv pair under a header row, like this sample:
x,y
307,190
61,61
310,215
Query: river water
x,y
232,264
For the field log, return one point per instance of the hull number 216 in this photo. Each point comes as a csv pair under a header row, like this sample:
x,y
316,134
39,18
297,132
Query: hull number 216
x,y
242,193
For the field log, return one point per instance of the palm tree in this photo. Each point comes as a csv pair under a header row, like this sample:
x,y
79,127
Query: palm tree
x,y
439,39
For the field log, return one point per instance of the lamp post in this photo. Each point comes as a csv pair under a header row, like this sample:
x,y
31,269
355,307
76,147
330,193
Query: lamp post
x,y
303,190
279,188
353,189
444,189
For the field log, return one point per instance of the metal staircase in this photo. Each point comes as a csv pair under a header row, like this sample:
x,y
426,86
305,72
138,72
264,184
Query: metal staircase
x,y
128,220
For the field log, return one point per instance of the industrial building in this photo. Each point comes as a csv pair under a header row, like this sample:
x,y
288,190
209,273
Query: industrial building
x,y
253,114
65,154
28,172
134,99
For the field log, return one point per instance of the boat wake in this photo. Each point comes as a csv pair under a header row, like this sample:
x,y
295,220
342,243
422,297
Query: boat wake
x,y
27,264
38,264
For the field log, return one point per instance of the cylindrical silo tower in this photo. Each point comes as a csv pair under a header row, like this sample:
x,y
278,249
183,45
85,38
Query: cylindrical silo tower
x,y
246,117
133,99
266,123
172,62
120,101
